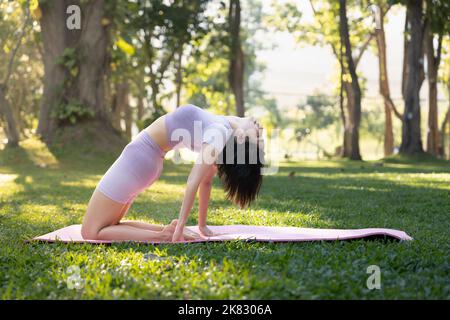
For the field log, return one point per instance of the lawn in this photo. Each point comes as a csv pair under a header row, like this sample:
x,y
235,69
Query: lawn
x,y
41,191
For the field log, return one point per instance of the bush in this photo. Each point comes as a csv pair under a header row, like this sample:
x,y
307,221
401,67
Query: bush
x,y
72,112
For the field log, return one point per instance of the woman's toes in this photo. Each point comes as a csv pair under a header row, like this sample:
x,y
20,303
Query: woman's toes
x,y
168,232
191,235
170,228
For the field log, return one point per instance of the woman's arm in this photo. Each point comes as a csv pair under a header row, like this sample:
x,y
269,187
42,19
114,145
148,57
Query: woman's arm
x,y
204,196
201,169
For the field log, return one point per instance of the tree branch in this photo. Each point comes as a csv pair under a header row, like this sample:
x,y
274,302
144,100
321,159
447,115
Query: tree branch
x,y
439,50
446,119
16,48
165,64
363,48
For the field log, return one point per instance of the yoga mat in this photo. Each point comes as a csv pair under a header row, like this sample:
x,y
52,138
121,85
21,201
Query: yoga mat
x,y
72,234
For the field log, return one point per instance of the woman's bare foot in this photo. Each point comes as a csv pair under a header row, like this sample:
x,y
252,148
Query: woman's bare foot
x,y
190,235
168,231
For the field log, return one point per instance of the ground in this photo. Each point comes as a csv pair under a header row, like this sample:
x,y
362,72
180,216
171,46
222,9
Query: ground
x,y
42,190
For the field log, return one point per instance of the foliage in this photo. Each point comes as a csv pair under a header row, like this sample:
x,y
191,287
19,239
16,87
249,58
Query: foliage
x,y
72,112
319,112
207,71
25,84
206,76
149,119
125,47
444,71
323,30
438,14
69,60
148,34
372,124
206,82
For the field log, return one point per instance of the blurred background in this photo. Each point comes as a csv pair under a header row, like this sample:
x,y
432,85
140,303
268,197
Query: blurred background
x,y
352,79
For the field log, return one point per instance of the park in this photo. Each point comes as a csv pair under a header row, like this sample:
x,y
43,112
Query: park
x,y
350,97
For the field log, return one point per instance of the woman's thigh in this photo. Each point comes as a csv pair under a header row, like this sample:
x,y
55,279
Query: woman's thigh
x,y
103,211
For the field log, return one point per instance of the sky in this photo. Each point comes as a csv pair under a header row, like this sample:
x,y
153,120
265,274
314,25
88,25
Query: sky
x,y
294,70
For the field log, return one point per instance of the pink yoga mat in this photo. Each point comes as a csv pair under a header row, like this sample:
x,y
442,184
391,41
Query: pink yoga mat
x,y
249,233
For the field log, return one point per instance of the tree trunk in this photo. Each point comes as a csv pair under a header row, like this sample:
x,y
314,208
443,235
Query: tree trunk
x,y
140,108
154,95
6,112
445,122
119,105
433,143
90,44
384,86
347,146
443,131
141,93
128,115
448,137
388,131
179,76
411,132
11,126
344,149
355,114
236,69
405,54
54,42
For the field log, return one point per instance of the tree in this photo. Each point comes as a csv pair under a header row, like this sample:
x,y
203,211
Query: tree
x,y
75,64
437,25
193,26
253,21
206,78
380,12
325,31
163,32
411,131
445,124
319,112
120,107
236,69
6,111
355,112
444,79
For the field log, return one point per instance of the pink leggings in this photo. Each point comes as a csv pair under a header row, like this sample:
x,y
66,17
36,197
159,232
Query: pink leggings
x,y
137,167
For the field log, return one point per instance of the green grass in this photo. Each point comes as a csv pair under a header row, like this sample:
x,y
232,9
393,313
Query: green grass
x,y
41,191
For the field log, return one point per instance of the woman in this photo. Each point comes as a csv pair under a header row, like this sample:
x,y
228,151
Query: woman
x,y
226,145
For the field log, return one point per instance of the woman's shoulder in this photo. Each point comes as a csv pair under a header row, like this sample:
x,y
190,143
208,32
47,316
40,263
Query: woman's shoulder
x,y
187,110
189,107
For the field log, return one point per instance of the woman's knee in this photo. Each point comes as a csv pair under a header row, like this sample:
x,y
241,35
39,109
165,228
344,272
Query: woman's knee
x,y
89,232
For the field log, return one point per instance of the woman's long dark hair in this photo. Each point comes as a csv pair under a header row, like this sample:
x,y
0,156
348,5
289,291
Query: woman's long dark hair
x,y
240,171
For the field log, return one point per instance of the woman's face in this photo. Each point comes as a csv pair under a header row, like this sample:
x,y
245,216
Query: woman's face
x,y
249,128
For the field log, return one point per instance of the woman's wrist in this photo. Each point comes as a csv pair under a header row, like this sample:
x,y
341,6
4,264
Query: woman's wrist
x,y
179,228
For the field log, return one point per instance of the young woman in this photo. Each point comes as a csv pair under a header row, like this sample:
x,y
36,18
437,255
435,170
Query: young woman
x,y
228,145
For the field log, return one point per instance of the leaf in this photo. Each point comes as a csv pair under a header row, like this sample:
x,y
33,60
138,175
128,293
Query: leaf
x,y
125,47
36,14
74,72
34,4
105,22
